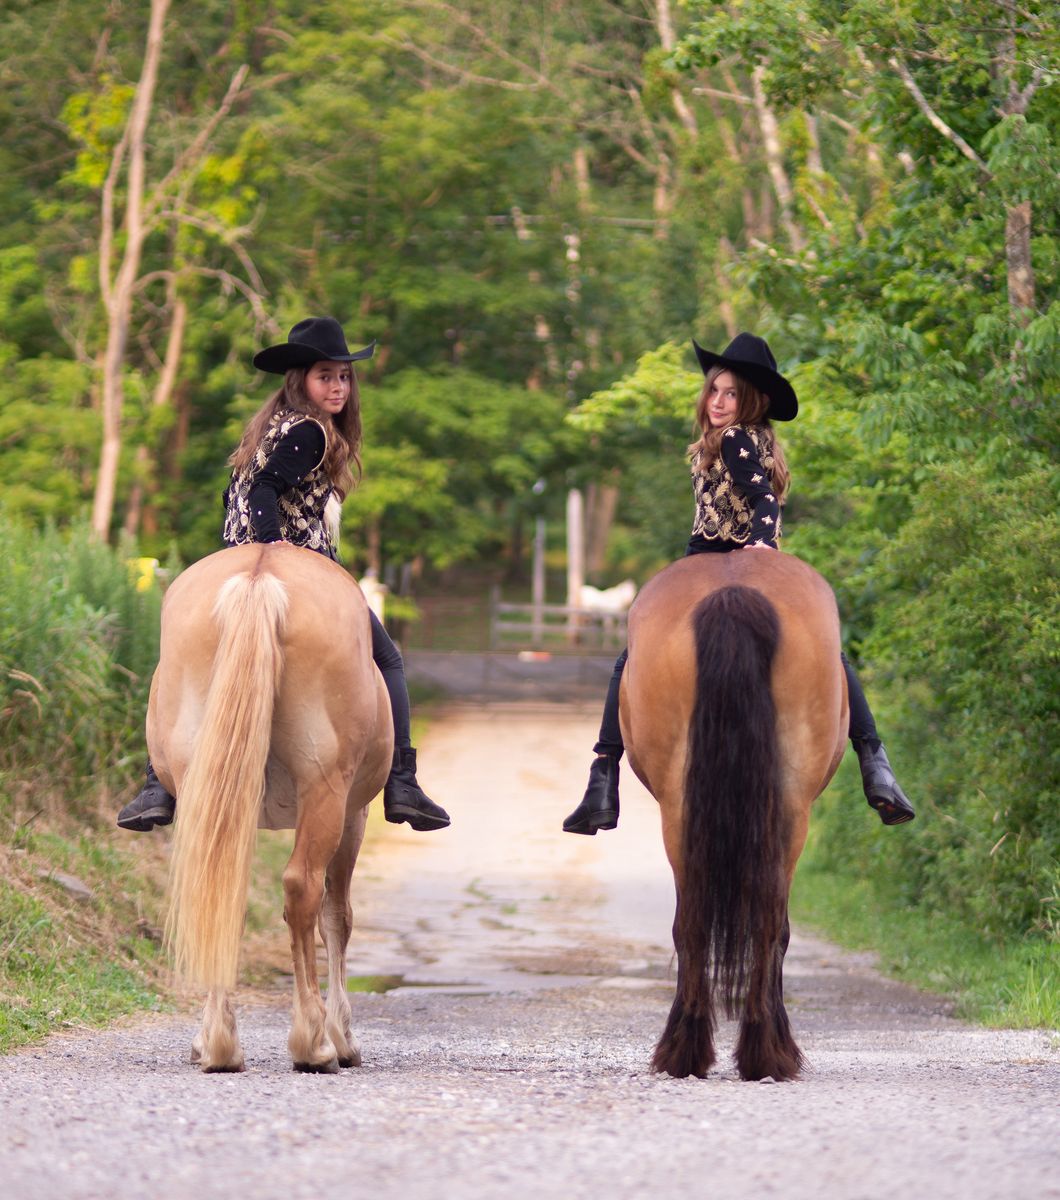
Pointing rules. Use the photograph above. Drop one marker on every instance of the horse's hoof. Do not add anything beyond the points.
(331, 1067)
(351, 1060)
(225, 1068)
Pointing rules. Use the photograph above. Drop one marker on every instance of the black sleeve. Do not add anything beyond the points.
(751, 480)
(297, 453)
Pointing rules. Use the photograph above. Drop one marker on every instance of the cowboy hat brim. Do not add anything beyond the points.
(783, 403)
(277, 360)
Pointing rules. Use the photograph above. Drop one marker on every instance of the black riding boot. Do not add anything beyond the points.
(405, 800)
(153, 806)
(881, 787)
(599, 806)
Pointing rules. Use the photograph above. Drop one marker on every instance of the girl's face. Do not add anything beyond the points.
(721, 401)
(327, 386)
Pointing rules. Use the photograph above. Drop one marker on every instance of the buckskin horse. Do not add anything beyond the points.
(734, 714)
(266, 708)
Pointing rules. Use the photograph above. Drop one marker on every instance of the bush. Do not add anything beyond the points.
(961, 669)
(78, 643)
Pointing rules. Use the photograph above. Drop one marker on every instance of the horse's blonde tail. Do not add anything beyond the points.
(222, 790)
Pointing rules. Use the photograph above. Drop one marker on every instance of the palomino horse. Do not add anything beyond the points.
(734, 715)
(267, 708)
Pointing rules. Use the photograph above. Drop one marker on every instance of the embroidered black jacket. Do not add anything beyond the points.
(734, 497)
(282, 492)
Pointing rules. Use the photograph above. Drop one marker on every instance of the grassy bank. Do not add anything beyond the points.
(79, 940)
(1000, 980)
(1015, 986)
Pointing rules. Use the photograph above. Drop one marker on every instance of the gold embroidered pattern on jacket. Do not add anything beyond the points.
(300, 509)
(721, 512)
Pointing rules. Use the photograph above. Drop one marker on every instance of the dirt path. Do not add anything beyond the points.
(511, 1061)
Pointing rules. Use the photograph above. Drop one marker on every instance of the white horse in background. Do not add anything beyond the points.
(611, 601)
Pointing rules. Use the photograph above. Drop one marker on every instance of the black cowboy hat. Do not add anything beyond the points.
(750, 358)
(316, 339)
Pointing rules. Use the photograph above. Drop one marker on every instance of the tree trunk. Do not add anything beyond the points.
(813, 153)
(581, 176)
(725, 310)
(732, 149)
(664, 25)
(118, 293)
(575, 558)
(163, 394)
(602, 503)
(1021, 284)
(374, 548)
(767, 124)
(662, 198)
(1018, 258)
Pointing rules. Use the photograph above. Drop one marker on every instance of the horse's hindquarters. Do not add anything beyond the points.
(266, 689)
(733, 713)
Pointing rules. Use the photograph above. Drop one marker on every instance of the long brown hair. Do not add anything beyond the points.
(751, 408)
(342, 460)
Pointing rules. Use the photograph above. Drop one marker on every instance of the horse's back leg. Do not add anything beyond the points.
(319, 832)
(766, 1047)
(687, 1043)
(336, 925)
(216, 1046)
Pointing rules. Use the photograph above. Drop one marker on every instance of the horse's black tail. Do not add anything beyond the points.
(731, 915)
(732, 907)
(734, 897)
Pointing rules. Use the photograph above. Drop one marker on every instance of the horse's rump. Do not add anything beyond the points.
(330, 701)
(659, 685)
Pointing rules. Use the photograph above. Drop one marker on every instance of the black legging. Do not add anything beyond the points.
(388, 659)
(862, 726)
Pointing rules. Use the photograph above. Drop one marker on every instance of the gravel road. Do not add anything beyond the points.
(533, 973)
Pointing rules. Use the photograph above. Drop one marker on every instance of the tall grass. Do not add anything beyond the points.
(78, 643)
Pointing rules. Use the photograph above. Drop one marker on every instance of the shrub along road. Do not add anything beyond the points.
(529, 973)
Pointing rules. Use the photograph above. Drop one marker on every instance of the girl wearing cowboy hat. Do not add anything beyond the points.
(294, 465)
(740, 480)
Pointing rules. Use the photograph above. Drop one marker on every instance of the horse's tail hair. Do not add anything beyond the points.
(732, 905)
(222, 790)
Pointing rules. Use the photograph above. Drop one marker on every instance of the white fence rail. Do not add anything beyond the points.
(557, 627)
